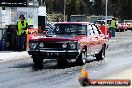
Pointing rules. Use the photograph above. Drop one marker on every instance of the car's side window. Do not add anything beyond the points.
(82, 30)
(90, 30)
(96, 30)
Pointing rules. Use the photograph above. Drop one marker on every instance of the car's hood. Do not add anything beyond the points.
(54, 38)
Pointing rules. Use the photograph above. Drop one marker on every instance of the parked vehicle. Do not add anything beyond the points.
(130, 26)
(122, 27)
(70, 40)
(103, 21)
(129, 22)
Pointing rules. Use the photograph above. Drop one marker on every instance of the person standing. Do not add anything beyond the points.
(21, 32)
(103, 28)
(113, 26)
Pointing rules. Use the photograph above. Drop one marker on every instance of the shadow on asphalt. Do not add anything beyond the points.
(53, 65)
(49, 64)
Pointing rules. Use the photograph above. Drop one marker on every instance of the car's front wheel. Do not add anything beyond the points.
(101, 54)
(81, 60)
(37, 60)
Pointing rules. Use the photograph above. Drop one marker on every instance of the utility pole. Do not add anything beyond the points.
(106, 11)
(64, 10)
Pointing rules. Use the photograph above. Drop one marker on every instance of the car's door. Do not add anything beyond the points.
(93, 40)
(99, 39)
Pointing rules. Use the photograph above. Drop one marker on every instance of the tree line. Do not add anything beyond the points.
(118, 8)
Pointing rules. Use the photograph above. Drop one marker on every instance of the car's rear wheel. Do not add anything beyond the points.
(81, 60)
(122, 30)
(37, 60)
(101, 54)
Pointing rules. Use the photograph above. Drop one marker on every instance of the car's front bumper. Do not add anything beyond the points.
(55, 54)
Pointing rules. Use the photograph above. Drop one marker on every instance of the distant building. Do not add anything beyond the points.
(95, 18)
(78, 18)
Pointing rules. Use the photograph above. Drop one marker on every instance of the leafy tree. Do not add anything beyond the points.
(58, 6)
(75, 7)
(98, 7)
(89, 7)
(121, 8)
(118, 8)
(49, 6)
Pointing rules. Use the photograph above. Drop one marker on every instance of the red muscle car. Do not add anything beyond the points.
(69, 40)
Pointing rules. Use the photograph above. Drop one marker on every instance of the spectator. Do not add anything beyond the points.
(113, 26)
(21, 32)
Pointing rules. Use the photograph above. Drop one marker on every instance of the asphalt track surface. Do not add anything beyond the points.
(22, 73)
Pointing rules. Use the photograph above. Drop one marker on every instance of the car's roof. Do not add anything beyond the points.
(84, 23)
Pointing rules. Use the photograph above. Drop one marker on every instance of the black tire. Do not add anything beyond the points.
(37, 60)
(101, 54)
(117, 30)
(123, 30)
(81, 60)
(120, 30)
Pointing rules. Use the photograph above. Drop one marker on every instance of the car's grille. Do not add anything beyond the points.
(52, 45)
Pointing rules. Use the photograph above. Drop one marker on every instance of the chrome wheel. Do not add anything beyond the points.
(84, 57)
(81, 60)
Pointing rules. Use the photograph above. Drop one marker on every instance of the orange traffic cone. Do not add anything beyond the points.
(84, 73)
(84, 81)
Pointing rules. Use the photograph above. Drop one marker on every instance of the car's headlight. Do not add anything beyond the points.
(73, 45)
(41, 45)
(33, 45)
(64, 45)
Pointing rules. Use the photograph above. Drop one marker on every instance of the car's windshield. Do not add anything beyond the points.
(76, 29)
